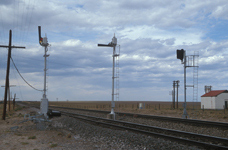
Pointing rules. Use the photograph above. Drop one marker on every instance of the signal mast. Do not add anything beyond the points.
(113, 44)
(44, 101)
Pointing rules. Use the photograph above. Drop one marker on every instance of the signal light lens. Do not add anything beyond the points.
(41, 39)
(180, 54)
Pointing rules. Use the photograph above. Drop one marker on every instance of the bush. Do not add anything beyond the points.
(24, 143)
(32, 137)
(53, 145)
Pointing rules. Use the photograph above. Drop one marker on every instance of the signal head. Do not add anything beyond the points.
(180, 54)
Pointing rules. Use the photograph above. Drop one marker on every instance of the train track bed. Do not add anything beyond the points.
(204, 141)
(220, 134)
(94, 136)
(175, 125)
(112, 138)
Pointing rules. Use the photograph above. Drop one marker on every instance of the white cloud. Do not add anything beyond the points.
(186, 37)
(149, 33)
(220, 11)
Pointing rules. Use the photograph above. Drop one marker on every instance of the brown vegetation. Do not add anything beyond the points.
(150, 107)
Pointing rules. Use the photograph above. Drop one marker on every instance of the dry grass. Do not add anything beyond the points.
(32, 137)
(11, 112)
(150, 107)
(53, 145)
(24, 143)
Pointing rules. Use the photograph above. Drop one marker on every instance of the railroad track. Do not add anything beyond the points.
(205, 141)
(194, 122)
(163, 118)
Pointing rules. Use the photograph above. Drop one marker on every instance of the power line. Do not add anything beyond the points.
(23, 77)
(18, 84)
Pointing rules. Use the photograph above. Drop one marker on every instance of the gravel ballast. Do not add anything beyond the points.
(107, 138)
(211, 131)
(81, 135)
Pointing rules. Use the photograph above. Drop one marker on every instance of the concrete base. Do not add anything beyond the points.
(111, 116)
(185, 114)
(44, 106)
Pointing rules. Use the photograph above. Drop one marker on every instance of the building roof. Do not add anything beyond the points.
(214, 93)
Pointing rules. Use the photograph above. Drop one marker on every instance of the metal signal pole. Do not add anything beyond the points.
(181, 54)
(44, 101)
(185, 114)
(7, 71)
(112, 44)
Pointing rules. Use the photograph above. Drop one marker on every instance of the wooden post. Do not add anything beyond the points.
(7, 72)
(174, 84)
(14, 102)
(7, 76)
(9, 98)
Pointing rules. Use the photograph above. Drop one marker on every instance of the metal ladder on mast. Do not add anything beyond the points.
(117, 75)
(192, 61)
(195, 75)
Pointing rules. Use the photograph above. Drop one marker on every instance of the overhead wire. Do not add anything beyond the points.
(25, 23)
(18, 84)
(21, 24)
(2, 33)
(22, 15)
(23, 77)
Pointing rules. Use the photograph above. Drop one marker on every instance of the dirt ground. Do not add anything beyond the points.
(26, 136)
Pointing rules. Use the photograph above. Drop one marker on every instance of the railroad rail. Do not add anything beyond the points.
(205, 141)
(163, 118)
(195, 122)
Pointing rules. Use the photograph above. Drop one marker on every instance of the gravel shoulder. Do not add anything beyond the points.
(68, 133)
(212, 131)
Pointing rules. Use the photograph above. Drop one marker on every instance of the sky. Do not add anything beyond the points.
(148, 34)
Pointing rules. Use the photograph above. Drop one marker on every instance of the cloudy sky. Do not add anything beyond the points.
(148, 32)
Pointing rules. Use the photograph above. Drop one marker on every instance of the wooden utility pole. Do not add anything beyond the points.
(7, 72)
(9, 97)
(14, 101)
(177, 91)
(174, 85)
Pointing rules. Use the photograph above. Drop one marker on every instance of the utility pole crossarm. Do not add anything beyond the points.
(4, 46)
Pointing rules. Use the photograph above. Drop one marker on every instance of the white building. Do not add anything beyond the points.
(217, 99)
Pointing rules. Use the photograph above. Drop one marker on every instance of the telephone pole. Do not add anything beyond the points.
(9, 97)
(14, 101)
(174, 85)
(177, 91)
(7, 71)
